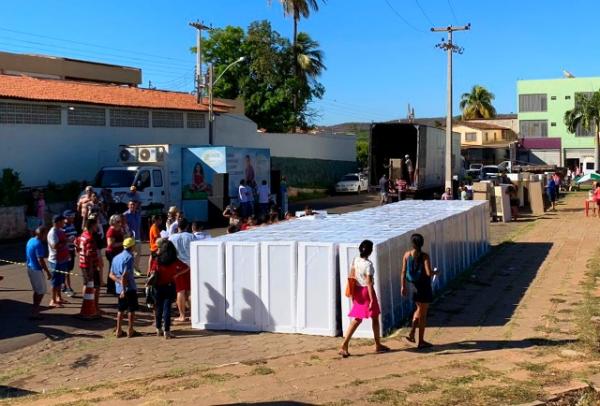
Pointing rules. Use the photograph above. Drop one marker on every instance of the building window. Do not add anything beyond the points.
(533, 102)
(21, 113)
(567, 97)
(470, 137)
(552, 124)
(196, 120)
(167, 119)
(157, 177)
(86, 116)
(129, 118)
(533, 128)
(552, 97)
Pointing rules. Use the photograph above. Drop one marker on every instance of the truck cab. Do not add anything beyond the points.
(149, 181)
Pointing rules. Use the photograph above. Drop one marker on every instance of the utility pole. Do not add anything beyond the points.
(450, 48)
(199, 78)
(211, 83)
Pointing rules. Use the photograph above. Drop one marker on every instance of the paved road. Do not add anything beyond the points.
(15, 291)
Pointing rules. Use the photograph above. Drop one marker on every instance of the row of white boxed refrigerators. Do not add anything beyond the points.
(290, 278)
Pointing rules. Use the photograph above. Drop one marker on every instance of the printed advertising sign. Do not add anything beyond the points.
(252, 165)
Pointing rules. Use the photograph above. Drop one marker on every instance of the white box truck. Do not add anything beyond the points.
(185, 176)
(426, 147)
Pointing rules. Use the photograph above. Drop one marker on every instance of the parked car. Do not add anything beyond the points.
(490, 172)
(352, 182)
(475, 167)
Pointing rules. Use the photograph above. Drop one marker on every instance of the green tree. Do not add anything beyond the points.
(586, 114)
(362, 153)
(477, 104)
(266, 80)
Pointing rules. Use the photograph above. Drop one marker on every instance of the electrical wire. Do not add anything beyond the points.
(403, 19)
(91, 45)
(95, 54)
(424, 13)
(452, 11)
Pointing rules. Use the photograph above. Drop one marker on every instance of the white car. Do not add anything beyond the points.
(352, 182)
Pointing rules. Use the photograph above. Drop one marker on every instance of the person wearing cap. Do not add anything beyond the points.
(37, 270)
(58, 248)
(83, 204)
(121, 271)
(71, 233)
(133, 219)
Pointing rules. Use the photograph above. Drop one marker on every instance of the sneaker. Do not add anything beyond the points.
(69, 292)
(137, 273)
(168, 335)
(159, 332)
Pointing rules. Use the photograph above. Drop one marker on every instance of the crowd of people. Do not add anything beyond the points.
(106, 243)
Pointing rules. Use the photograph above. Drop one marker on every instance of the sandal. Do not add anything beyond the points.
(424, 344)
(344, 353)
(410, 339)
(119, 334)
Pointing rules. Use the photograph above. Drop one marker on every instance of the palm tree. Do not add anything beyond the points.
(477, 104)
(297, 9)
(309, 58)
(586, 114)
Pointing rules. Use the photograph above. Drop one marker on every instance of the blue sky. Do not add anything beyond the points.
(377, 63)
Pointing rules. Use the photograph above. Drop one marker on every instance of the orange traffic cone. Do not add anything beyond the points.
(88, 306)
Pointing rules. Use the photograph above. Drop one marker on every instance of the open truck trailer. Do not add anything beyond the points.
(426, 147)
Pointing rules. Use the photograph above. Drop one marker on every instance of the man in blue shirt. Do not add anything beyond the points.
(121, 271)
(37, 270)
(133, 217)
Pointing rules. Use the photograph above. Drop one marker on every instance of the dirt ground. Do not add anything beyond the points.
(518, 327)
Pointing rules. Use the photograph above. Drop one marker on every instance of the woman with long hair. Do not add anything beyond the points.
(364, 299)
(167, 268)
(416, 269)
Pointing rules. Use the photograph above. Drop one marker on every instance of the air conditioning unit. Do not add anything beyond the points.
(147, 154)
(128, 154)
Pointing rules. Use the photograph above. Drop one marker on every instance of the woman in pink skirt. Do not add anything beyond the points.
(364, 299)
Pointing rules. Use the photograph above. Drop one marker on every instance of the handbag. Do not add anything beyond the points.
(350, 283)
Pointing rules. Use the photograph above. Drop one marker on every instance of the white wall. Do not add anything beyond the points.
(309, 146)
(61, 153)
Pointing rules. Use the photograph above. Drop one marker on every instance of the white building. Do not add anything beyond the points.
(63, 130)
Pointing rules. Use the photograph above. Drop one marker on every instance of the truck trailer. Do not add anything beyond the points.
(389, 143)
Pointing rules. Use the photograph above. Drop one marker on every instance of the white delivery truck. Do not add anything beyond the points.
(189, 177)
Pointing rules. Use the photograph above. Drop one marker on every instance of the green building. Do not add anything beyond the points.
(542, 105)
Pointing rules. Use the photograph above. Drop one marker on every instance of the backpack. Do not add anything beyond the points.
(413, 273)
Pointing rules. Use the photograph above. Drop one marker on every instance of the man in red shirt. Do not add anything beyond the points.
(88, 258)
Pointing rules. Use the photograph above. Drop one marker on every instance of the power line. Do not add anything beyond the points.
(424, 13)
(101, 54)
(92, 45)
(452, 11)
(402, 18)
(18, 48)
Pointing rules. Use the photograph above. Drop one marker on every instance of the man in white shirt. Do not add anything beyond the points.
(263, 198)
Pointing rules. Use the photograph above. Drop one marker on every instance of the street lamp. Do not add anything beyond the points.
(211, 84)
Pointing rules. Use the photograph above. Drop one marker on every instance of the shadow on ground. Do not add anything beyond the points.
(490, 294)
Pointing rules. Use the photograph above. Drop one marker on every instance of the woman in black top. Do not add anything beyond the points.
(416, 268)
